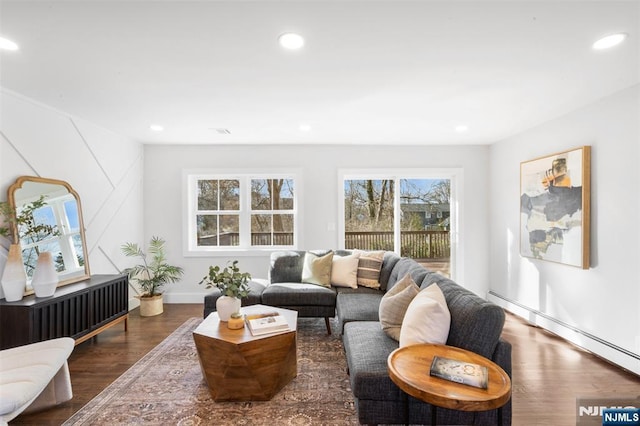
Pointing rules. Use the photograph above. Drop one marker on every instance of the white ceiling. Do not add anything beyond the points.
(372, 72)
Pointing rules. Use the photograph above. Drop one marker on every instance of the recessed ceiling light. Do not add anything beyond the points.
(609, 41)
(291, 41)
(462, 128)
(304, 127)
(156, 128)
(6, 44)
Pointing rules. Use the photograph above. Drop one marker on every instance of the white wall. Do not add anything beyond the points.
(319, 165)
(584, 306)
(104, 168)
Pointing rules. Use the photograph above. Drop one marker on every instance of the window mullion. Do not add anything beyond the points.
(192, 208)
(245, 212)
(397, 213)
(63, 238)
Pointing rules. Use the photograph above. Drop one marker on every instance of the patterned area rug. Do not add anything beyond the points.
(166, 387)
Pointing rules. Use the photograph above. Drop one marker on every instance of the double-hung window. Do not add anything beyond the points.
(240, 211)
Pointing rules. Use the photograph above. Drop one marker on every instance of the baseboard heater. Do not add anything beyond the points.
(615, 354)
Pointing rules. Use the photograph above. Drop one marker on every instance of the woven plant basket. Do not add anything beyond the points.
(151, 306)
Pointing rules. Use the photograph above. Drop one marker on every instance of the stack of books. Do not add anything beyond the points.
(266, 323)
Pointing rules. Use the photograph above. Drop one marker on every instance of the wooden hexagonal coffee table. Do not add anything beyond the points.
(238, 366)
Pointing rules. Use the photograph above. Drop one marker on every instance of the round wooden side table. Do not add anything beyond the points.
(409, 370)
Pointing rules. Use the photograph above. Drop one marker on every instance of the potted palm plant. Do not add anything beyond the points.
(233, 286)
(151, 275)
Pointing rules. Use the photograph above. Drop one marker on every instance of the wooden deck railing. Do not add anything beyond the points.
(415, 244)
(257, 239)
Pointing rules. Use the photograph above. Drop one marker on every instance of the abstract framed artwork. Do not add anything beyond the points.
(554, 207)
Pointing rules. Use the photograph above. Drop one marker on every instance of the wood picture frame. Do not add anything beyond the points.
(555, 207)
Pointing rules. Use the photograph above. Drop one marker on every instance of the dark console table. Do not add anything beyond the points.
(80, 310)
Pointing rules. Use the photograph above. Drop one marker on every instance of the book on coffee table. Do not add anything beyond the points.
(460, 372)
(266, 323)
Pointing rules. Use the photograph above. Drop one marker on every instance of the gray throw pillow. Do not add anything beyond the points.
(286, 266)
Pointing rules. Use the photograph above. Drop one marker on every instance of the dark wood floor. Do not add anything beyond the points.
(548, 373)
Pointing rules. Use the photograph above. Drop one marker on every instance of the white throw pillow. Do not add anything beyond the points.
(344, 271)
(394, 304)
(427, 319)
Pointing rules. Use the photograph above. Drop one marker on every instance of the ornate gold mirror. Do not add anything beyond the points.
(51, 220)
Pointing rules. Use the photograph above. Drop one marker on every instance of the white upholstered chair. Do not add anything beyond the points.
(34, 377)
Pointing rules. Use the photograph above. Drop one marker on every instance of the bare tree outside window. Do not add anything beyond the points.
(368, 205)
(269, 224)
(216, 196)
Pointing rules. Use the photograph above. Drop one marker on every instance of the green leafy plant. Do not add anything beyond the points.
(31, 231)
(151, 275)
(8, 215)
(229, 280)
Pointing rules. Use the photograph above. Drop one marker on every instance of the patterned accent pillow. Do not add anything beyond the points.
(369, 268)
(344, 271)
(427, 319)
(394, 304)
(317, 269)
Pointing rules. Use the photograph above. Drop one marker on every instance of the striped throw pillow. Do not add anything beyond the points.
(369, 267)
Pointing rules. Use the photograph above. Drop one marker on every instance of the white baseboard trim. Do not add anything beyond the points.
(622, 357)
(133, 303)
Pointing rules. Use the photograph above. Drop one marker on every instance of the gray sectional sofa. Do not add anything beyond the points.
(284, 289)
(476, 325)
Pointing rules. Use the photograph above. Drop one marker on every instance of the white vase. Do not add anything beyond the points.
(227, 305)
(14, 279)
(45, 277)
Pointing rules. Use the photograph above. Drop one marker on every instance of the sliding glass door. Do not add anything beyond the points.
(410, 214)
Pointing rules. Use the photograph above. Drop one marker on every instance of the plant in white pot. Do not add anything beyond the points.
(151, 275)
(233, 286)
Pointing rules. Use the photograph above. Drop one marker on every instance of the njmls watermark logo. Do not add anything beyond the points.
(608, 411)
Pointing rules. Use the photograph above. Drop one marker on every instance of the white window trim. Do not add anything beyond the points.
(455, 175)
(191, 250)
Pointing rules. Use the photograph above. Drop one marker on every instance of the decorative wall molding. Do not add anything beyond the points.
(15, 150)
(92, 153)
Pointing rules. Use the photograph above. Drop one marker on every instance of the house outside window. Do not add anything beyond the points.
(240, 211)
